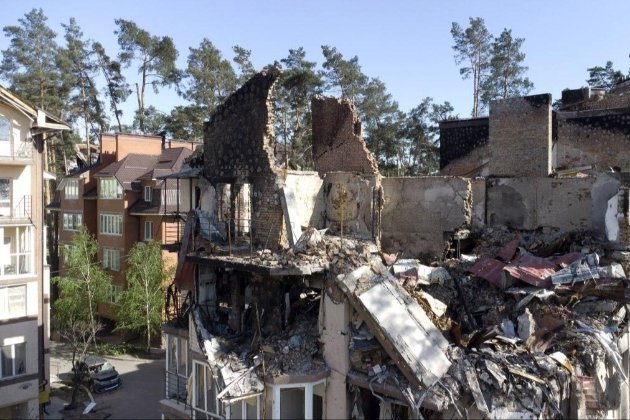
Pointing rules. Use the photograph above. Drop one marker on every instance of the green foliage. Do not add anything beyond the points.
(420, 132)
(150, 121)
(142, 303)
(242, 60)
(604, 77)
(343, 75)
(79, 70)
(82, 286)
(185, 122)
(210, 78)
(116, 87)
(298, 83)
(29, 63)
(507, 72)
(156, 57)
(472, 49)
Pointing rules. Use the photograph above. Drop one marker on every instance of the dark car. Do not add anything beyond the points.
(100, 374)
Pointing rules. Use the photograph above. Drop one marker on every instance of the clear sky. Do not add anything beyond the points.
(407, 44)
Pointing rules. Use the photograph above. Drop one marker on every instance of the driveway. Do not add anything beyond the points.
(137, 398)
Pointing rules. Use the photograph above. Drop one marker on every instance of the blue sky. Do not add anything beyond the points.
(407, 44)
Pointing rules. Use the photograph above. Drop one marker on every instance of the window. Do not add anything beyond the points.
(111, 259)
(205, 393)
(244, 409)
(114, 294)
(16, 256)
(72, 221)
(172, 196)
(148, 230)
(176, 368)
(299, 401)
(5, 192)
(147, 194)
(111, 224)
(5, 129)
(12, 301)
(110, 188)
(12, 360)
(72, 189)
(66, 251)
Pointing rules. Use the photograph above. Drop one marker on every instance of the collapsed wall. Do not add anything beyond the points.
(337, 141)
(239, 149)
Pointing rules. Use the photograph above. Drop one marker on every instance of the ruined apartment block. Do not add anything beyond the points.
(339, 293)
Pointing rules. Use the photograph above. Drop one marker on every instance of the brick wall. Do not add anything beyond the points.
(239, 148)
(337, 142)
(520, 136)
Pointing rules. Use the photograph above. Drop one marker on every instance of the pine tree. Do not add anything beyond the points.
(79, 70)
(472, 47)
(342, 75)
(506, 77)
(298, 83)
(604, 77)
(242, 58)
(116, 87)
(156, 57)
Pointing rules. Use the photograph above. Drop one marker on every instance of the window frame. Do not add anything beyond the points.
(207, 373)
(7, 203)
(107, 221)
(114, 294)
(109, 261)
(73, 222)
(148, 230)
(9, 132)
(308, 398)
(109, 189)
(148, 193)
(71, 189)
(14, 372)
(5, 302)
(243, 402)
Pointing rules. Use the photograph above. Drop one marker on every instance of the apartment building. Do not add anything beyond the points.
(121, 201)
(24, 275)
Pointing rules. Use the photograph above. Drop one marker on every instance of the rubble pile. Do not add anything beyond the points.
(532, 332)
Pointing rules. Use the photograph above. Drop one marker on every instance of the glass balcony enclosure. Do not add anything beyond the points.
(16, 251)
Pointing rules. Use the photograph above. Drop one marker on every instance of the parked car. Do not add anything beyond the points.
(100, 374)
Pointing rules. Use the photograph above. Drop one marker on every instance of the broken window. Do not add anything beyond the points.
(234, 209)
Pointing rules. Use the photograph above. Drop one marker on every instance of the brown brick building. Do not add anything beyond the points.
(121, 201)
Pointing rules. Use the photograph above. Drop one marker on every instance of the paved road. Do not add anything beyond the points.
(143, 385)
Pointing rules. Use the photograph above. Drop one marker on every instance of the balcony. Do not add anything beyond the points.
(17, 152)
(16, 251)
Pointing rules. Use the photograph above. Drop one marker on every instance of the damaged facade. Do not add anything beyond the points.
(341, 294)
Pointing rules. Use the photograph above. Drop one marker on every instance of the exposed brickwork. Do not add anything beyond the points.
(239, 148)
(337, 142)
(520, 136)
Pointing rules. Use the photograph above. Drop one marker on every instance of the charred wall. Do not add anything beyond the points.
(458, 140)
(597, 138)
(239, 148)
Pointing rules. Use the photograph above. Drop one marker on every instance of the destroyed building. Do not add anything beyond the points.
(338, 293)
